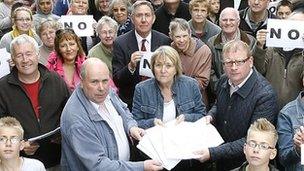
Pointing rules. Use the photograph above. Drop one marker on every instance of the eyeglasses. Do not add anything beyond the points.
(13, 140)
(23, 19)
(262, 146)
(65, 30)
(236, 62)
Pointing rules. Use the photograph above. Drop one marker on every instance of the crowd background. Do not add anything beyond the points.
(218, 67)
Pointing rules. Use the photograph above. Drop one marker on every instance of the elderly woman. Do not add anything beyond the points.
(67, 58)
(47, 31)
(121, 10)
(102, 8)
(22, 24)
(194, 54)
(107, 30)
(168, 95)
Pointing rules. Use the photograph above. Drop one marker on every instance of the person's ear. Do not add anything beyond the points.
(22, 145)
(244, 148)
(273, 154)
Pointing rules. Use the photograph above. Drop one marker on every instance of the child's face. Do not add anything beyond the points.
(263, 151)
(45, 6)
(10, 143)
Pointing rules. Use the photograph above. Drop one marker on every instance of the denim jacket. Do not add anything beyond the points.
(291, 117)
(88, 142)
(148, 102)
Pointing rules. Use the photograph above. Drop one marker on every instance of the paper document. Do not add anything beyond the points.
(4, 65)
(46, 135)
(173, 143)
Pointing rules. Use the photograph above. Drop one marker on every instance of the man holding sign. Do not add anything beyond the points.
(282, 67)
(128, 49)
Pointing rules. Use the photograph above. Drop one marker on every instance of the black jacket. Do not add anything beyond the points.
(53, 94)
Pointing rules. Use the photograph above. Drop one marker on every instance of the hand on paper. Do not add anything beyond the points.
(261, 37)
(204, 155)
(180, 119)
(137, 133)
(298, 138)
(152, 165)
(30, 147)
(158, 122)
(207, 119)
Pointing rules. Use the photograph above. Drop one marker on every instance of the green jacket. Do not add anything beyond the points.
(285, 77)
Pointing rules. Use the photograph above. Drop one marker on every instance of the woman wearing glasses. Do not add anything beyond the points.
(22, 24)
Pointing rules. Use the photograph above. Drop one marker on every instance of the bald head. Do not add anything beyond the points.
(230, 10)
(95, 78)
(92, 63)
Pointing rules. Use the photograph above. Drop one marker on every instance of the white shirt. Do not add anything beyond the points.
(234, 88)
(169, 111)
(236, 4)
(32, 165)
(110, 115)
(147, 43)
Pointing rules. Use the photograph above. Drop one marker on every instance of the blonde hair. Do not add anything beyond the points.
(21, 9)
(169, 52)
(263, 125)
(234, 46)
(11, 122)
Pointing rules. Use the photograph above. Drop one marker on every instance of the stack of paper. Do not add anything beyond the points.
(174, 142)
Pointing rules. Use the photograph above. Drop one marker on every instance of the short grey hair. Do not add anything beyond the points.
(139, 3)
(234, 46)
(106, 20)
(126, 3)
(22, 39)
(180, 23)
(230, 9)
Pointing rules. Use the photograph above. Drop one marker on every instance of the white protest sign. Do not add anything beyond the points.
(4, 65)
(272, 6)
(285, 33)
(81, 24)
(144, 65)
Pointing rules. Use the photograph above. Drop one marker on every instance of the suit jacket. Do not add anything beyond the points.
(124, 46)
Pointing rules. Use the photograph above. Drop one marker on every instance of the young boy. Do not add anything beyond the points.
(11, 143)
(260, 147)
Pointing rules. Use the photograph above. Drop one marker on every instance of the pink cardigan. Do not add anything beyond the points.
(56, 64)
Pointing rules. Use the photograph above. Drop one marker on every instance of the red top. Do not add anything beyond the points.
(32, 91)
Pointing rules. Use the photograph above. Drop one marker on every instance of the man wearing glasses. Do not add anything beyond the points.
(243, 96)
(229, 22)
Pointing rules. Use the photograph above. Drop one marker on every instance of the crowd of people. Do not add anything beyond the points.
(209, 61)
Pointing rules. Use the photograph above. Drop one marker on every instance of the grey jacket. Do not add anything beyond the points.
(88, 142)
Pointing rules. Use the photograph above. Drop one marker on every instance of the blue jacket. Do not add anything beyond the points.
(88, 142)
(233, 116)
(290, 119)
(148, 103)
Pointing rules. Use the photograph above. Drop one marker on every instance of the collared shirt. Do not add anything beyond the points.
(236, 4)
(234, 88)
(107, 111)
(147, 43)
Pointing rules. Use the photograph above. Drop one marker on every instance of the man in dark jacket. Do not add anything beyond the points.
(36, 97)
(166, 13)
(244, 96)
(254, 17)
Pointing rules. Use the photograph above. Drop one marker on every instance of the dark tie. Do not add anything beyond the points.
(143, 47)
